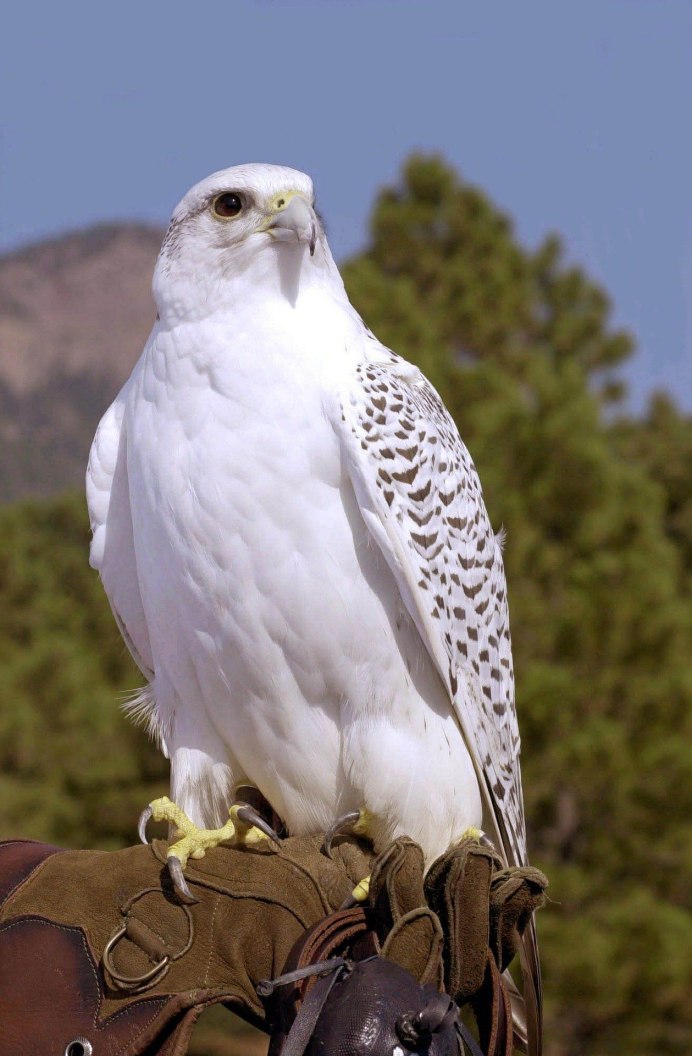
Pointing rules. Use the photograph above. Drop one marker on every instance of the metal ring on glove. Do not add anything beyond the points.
(132, 982)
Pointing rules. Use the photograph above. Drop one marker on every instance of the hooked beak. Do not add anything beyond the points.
(296, 221)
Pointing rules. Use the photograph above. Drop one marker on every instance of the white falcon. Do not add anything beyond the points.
(293, 539)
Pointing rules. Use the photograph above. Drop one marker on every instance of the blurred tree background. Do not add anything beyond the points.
(598, 511)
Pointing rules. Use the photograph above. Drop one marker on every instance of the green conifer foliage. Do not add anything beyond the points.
(663, 443)
(72, 768)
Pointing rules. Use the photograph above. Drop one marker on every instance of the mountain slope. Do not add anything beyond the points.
(74, 315)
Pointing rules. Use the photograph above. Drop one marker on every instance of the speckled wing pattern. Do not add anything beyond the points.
(421, 498)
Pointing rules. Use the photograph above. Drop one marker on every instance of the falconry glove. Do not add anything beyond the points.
(98, 955)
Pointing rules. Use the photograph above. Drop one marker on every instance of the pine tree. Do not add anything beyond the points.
(73, 769)
(663, 443)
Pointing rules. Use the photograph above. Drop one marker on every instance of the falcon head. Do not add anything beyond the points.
(223, 222)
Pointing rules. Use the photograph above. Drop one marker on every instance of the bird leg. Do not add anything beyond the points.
(245, 826)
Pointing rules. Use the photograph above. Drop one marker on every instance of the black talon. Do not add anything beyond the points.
(142, 825)
(175, 871)
(249, 816)
(342, 825)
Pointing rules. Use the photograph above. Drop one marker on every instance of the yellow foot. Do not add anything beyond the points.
(244, 826)
(361, 891)
(360, 826)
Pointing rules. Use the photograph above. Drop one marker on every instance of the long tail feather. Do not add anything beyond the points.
(533, 990)
(519, 1028)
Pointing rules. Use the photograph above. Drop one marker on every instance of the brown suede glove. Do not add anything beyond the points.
(96, 948)
(480, 905)
(515, 894)
(408, 930)
(94, 945)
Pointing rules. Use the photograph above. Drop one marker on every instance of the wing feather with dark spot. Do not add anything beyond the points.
(421, 497)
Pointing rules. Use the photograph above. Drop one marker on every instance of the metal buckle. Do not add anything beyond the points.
(133, 982)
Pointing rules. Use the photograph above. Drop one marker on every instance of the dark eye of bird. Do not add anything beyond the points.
(227, 204)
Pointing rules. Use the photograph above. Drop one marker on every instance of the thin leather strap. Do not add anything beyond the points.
(305, 1022)
(467, 1039)
(268, 986)
(493, 1012)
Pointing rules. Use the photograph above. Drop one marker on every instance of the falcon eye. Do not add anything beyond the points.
(227, 205)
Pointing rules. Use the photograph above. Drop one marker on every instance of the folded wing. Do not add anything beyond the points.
(421, 498)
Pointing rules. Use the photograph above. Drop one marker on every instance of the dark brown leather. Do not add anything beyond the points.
(515, 895)
(67, 993)
(334, 936)
(18, 859)
(493, 1011)
(341, 933)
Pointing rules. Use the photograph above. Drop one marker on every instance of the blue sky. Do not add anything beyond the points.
(573, 116)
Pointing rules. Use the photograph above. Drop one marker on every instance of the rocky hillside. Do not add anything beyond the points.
(74, 315)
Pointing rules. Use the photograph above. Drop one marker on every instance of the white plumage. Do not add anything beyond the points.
(293, 539)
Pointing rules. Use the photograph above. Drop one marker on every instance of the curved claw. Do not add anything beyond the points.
(143, 822)
(250, 817)
(175, 871)
(342, 824)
